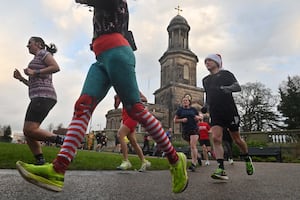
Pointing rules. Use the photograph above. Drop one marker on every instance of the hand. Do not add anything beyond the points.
(17, 74)
(183, 120)
(29, 72)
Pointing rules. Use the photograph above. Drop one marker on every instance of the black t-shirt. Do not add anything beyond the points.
(190, 114)
(220, 103)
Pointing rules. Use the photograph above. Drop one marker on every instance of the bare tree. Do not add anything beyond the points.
(257, 107)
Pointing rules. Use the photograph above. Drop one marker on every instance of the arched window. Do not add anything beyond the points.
(186, 72)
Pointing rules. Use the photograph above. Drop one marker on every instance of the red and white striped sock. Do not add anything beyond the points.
(153, 126)
(75, 134)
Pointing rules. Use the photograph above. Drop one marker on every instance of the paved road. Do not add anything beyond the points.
(271, 181)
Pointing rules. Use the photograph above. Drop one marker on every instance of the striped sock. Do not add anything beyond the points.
(153, 126)
(74, 136)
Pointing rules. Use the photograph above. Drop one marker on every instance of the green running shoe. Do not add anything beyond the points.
(43, 176)
(179, 174)
(220, 174)
(249, 166)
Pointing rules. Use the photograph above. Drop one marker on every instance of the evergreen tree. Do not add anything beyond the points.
(7, 134)
(289, 104)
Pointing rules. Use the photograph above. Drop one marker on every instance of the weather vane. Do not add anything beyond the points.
(178, 9)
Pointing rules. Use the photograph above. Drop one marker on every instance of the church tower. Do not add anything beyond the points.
(178, 71)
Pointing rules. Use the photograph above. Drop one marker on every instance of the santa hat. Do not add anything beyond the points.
(215, 57)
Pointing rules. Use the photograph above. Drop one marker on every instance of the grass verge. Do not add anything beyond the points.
(84, 160)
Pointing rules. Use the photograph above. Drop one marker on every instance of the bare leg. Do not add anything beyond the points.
(236, 137)
(122, 133)
(136, 146)
(204, 149)
(194, 150)
(34, 134)
(217, 133)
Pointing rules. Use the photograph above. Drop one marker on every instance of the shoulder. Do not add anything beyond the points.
(225, 72)
(206, 77)
(42, 54)
(179, 109)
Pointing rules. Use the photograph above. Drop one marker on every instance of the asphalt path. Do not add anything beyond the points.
(271, 181)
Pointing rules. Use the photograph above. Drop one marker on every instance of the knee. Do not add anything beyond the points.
(238, 140)
(217, 139)
(134, 110)
(84, 104)
(28, 130)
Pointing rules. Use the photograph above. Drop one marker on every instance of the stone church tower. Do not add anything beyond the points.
(178, 78)
(178, 71)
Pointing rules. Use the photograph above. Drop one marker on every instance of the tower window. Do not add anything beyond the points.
(186, 72)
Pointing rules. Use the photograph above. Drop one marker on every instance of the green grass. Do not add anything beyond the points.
(84, 160)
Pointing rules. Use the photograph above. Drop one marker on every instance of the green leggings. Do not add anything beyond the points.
(114, 68)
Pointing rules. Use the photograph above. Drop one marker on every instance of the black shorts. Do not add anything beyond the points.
(38, 109)
(232, 122)
(186, 135)
(204, 142)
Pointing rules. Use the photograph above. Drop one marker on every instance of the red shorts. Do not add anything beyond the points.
(128, 122)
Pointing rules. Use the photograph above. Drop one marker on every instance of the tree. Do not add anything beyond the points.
(7, 134)
(256, 107)
(289, 104)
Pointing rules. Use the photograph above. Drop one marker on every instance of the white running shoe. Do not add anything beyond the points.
(230, 160)
(209, 154)
(124, 165)
(145, 164)
(207, 163)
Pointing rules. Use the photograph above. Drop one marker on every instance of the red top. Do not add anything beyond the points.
(108, 41)
(203, 130)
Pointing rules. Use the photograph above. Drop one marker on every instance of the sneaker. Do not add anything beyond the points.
(230, 160)
(199, 161)
(43, 176)
(146, 164)
(220, 174)
(59, 140)
(207, 163)
(192, 168)
(249, 166)
(179, 174)
(124, 165)
(209, 154)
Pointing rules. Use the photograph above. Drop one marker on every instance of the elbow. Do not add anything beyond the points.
(56, 70)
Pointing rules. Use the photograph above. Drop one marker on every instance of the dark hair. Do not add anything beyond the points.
(51, 48)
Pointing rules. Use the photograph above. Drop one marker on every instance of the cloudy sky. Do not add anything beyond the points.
(258, 39)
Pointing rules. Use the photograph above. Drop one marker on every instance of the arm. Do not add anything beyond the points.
(235, 87)
(178, 120)
(18, 76)
(100, 3)
(52, 67)
(117, 101)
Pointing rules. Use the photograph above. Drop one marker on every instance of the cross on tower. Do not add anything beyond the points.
(178, 9)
